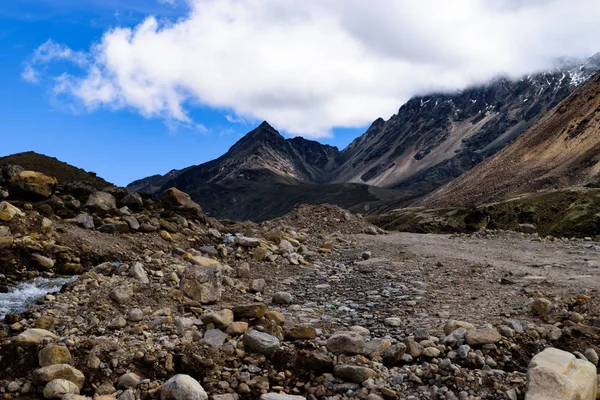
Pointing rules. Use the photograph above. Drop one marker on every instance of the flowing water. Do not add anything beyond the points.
(25, 293)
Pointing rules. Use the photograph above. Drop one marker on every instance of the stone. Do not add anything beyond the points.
(592, 356)
(132, 200)
(6, 238)
(283, 298)
(135, 315)
(182, 387)
(34, 336)
(8, 211)
(318, 362)
(346, 342)
(286, 246)
(480, 337)
(59, 371)
(301, 332)
(32, 185)
(392, 322)
(353, 373)
(250, 310)
(260, 342)
(237, 328)
(413, 348)
(258, 285)
(202, 284)
(276, 317)
(101, 202)
(214, 338)
(105, 389)
(220, 319)
(115, 227)
(129, 380)
(45, 322)
(54, 354)
(247, 241)
(42, 261)
(431, 352)
(557, 374)
(541, 306)
(166, 235)
(453, 325)
(243, 271)
(86, 221)
(121, 294)
(202, 261)
(456, 338)
(168, 226)
(132, 222)
(175, 198)
(393, 354)
(137, 272)
(57, 388)
(279, 396)
(259, 253)
(527, 228)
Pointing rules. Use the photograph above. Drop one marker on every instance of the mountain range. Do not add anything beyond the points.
(429, 142)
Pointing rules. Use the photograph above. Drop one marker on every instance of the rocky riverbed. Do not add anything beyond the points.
(166, 303)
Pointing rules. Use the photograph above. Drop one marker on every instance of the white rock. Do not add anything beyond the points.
(556, 374)
(182, 387)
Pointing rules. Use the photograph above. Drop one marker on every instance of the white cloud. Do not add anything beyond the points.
(308, 66)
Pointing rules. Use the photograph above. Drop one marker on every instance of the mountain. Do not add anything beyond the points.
(264, 176)
(435, 138)
(429, 142)
(561, 150)
(51, 166)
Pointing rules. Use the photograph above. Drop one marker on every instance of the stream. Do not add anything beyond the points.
(25, 293)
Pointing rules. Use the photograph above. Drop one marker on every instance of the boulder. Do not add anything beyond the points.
(202, 284)
(480, 337)
(137, 271)
(34, 336)
(556, 374)
(42, 261)
(181, 201)
(283, 298)
(132, 200)
(250, 310)
(301, 332)
(182, 387)
(346, 342)
(221, 319)
(115, 227)
(59, 371)
(57, 388)
(353, 373)
(121, 294)
(129, 380)
(6, 238)
(8, 211)
(101, 202)
(261, 342)
(32, 185)
(54, 354)
(86, 221)
(453, 325)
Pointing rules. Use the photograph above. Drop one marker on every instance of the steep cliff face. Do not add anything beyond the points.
(433, 139)
(562, 149)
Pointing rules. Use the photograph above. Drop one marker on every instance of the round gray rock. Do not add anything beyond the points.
(182, 387)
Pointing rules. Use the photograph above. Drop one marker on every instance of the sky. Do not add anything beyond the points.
(132, 88)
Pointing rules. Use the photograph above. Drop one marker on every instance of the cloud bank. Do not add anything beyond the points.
(309, 66)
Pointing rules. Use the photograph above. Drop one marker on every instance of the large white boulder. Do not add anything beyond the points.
(559, 375)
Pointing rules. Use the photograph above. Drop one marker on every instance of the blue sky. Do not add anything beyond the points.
(119, 145)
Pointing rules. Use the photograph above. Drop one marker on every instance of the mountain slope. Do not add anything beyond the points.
(562, 149)
(433, 139)
(51, 166)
